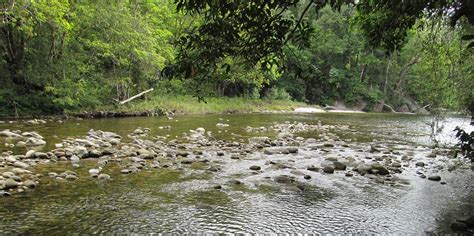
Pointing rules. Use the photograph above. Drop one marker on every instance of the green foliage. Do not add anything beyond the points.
(466, 143)
(62, 55)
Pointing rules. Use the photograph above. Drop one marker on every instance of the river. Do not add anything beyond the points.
(185, 197)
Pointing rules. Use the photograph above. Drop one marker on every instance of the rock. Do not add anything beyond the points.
(200, 130)
(313, 168)
(469, 221)
(379, 169)
(30, 154)
(349, 174)
(10, 183)
(235, 156)
(52, 174)
(95, 172)
(420, 164)
(328, 169)
(5, 194)
(71, 177)
(10, 159)
(29, 184)
(292, 150)
(182, 153)
(188, 161)
(255, 168)
(35, 142)
(8, 174)
(235, 182)
(21, 144)
(20, 171)
(432, 155)
(74, 158)
(40, 155)
(283, 179)
(9, 134)
(307, 176)
(403, 108)
(95, 153)
(103, 177)
(328, 145)
(125, 171)
(220, 153)
(339, 166)
(20, 164)
(333, 159)
(458, 226)
(213, 168)
(434, 178)
(396, 164)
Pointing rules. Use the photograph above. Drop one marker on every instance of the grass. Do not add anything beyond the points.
(190, 105)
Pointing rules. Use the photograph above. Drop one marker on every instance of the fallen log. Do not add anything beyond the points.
(136, 96)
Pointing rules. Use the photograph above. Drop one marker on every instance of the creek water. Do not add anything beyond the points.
(182, 199)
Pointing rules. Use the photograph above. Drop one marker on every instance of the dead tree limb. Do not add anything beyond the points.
(136, 96)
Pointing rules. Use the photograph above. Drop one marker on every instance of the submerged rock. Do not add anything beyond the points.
(103, 177)
(328, 169)
(434, 178)
(255, 168)
(10, 183)
(29, 184)
(284, 179)
(339, 166)
(379, 169)
(458, 226)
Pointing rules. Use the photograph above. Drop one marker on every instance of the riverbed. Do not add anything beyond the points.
(250, 173)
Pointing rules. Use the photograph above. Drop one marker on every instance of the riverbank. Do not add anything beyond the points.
(188, 105)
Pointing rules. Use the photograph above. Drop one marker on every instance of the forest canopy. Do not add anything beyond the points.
(62, 55)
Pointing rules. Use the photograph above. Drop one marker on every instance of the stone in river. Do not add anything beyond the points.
(282, 179)
(339, 166)
(29, 184)
(420, 164)
(255, 168)
(434, 178)
(328, 169)
(10, 183)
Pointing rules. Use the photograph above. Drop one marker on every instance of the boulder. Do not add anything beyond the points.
(284, 179)
(379, 169)
(21, 165)
(328, 169)
(339, 166)
(29, 184)
(255, 168)
(434, 178)
(10, 183)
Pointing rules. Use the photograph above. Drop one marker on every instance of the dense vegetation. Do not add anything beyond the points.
(62, 55)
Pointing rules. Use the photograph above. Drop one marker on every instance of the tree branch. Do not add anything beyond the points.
(290, 35)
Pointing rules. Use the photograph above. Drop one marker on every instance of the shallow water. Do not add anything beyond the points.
(182, 199)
